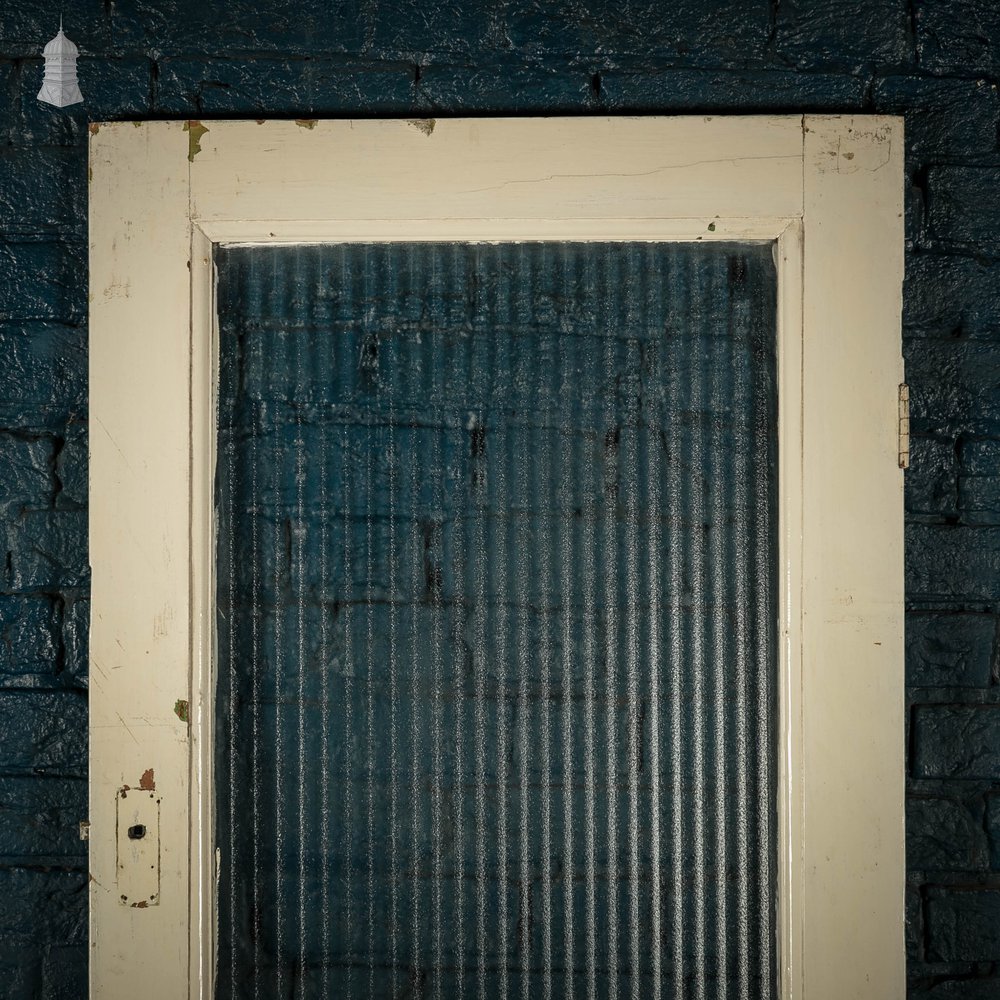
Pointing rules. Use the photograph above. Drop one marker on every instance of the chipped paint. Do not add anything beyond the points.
(148, 781)
(425, 125)
(94, 127)
(182, 710)
(309, 123)
(141, 905)
(195, 131)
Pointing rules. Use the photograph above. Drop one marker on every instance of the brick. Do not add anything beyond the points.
(960, 989)
(979, 481)
(39, 908)
(20, 971)
(979, 500)
(931, 480)
(47, 550)
(8, 90)
(240, 28)
(914, 929)
(688, 33)
(849, 34)
(43, 732)
(27, 26)
(945, 563)
(45, 375)
(943, 117)
(949, 650)
(979, 457)
(40, 818)
(64, 972)
(276, 88)
(113, 89)
(959, 36)
(42, 191)
(992, 824)
(962, 210)
(29, 473)
(915, 216)
(954, 387)
(545, 86)
(943, 834)
(748, 91)
(43, 281)
(72, 469)
(963, 925)
(75, 638)
(29, 637)
(950, 296)
(956, 741)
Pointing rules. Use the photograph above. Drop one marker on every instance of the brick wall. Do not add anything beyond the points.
(935, 61)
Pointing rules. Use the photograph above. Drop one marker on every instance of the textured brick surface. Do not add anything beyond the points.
(956, 741)
(949, 650)
(931, 481)
(935, 61)
(950, 296)
(848, 34)
(956, 563)
(44, 380)
(959, 36)
(29, 637)
(39, 819)
(43, 733)
(958, 215)
(963, 925)
(945, 118)
(944, 834)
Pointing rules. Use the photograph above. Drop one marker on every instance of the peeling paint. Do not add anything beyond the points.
(195, 131)
(425, 125)
(182, 710)
(148, 781)
(309, 123)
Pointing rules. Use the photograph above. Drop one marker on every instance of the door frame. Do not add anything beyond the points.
(826, 189)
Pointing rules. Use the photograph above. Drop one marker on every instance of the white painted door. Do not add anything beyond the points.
(825, 192)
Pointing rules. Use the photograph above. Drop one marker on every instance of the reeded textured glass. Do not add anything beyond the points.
(497, 621)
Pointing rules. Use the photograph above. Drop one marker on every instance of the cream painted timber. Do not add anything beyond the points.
(826, 190)
(140, 457)
(499, 168)
(852, 555)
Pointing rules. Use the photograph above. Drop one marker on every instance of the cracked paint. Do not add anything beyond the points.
(425, 125)
(195, 131)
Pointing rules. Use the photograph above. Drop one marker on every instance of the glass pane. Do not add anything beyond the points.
(497, 619)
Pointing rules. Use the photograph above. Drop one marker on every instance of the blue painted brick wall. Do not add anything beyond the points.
(935, 61)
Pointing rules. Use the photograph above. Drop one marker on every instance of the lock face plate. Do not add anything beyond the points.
(138, 833)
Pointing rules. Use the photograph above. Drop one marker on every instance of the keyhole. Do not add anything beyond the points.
(136, 832)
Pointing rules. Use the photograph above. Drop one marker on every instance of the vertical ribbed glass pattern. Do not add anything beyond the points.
(497, 621)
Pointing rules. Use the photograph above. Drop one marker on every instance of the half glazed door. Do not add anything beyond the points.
(505, 600)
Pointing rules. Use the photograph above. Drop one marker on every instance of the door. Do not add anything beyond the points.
(533, 622)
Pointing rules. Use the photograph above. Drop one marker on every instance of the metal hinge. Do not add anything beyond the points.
(904, 426)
